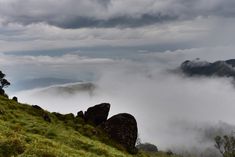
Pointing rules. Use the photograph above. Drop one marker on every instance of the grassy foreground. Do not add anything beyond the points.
(24, 132)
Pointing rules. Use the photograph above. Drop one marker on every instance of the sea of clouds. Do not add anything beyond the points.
(173, 111)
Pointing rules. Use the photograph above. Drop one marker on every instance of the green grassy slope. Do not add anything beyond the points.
(25, 133)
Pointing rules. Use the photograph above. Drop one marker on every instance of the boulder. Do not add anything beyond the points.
(37, 107)
(123, 129)
(15, 99)
(97, 114)
(80, 114)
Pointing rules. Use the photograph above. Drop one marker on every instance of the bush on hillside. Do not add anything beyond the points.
(11, 147)
(225, 145)
(3, 83)
(148, 147)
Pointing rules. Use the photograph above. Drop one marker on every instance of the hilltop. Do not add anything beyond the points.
(203, 68)
(27, 130)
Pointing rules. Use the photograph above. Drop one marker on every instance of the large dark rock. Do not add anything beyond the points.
(15, 99)
(80, 114)
(123, 129)
(97, 114)
(37, 107)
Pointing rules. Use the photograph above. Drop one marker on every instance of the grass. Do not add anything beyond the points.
(24, 132)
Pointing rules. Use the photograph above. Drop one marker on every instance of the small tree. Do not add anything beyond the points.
(225, 145)
(3, 83)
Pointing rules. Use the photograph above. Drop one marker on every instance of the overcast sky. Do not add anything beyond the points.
(126, 48)
(47, 24)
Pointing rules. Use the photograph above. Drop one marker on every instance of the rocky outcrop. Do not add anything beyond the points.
(80, 114)
(97, 114)
(37, 107)
(15, 99)
(123, 129)
(37, 110)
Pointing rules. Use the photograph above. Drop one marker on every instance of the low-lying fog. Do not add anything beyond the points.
(173, 111)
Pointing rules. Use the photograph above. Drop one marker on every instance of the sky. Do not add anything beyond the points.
(47, 24)
(128, 50)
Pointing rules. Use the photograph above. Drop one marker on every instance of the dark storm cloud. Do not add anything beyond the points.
(122, 21)
(110, 13)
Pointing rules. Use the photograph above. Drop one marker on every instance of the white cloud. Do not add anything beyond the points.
(211, 54)
(199, 32)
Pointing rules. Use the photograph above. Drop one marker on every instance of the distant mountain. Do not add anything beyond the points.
(71, 88)
(41, 82)
(204, 68)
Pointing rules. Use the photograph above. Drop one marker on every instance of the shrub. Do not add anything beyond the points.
(51, 133)
(225, 145)
(147, 147)
(11, 147)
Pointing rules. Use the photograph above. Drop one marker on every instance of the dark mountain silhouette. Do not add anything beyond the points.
(204, 68)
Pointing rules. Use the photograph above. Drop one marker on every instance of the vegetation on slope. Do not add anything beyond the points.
(25, 132)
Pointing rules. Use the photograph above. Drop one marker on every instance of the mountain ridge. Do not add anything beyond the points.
(203, 68)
